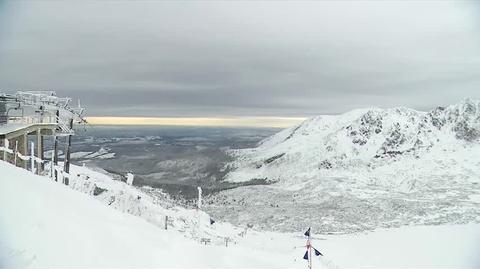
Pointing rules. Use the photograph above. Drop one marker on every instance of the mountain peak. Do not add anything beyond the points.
(371, 166)
(363, 137)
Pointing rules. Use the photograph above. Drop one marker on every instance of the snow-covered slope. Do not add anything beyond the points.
(363, 169)
(45, 224)
(153, 205)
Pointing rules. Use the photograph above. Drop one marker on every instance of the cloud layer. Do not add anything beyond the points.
(219, 59)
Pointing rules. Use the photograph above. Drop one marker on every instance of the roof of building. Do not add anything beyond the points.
(15, 129)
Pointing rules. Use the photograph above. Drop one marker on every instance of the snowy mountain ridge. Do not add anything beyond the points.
(364, 138)
(361, 170)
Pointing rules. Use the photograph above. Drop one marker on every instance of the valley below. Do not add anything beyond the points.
(354, 172)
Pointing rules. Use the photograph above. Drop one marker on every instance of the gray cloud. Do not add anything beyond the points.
(242, 58)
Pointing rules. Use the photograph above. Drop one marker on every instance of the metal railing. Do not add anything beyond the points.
(62, 126)
(34, 161)
(30, 119)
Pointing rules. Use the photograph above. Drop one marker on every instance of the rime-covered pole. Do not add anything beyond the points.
(199, 202)
(130, 177)
(32, 154)
(5, 145)
(39, 152)
(15, 153)
(55, 148)
(66, 167)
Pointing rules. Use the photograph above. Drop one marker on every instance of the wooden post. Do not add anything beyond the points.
(166, 222)
(20, 148)
(24, 150)
(6, 146)
(55, 156)
(15, 153)
(55, 149)
(39, 151)
(66, 167)
(3, 144)
(52, 166)
(32, 154)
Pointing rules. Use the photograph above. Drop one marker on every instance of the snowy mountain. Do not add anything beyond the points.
(367, 139)
(363, 169)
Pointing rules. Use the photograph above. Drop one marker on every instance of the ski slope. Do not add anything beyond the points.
(44, 224)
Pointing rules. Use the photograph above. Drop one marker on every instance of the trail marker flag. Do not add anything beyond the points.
(307, 233)
(317, 253)
(308, 254)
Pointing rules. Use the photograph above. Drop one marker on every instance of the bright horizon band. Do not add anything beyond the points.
(278, 122)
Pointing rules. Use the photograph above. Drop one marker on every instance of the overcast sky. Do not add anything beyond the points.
(221, 59)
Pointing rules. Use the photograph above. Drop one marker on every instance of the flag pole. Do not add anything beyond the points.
(310, 251)
(310, 257)
(308, 254)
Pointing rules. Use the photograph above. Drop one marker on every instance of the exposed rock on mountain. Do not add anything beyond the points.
(363, 169)
(364, 139)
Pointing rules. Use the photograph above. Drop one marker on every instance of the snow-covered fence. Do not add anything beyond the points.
(6, 151)
(205, 241)
(16, 154)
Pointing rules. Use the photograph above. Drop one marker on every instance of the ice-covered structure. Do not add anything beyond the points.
(31, 116)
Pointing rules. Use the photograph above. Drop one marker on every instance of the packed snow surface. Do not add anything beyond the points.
(361, 170)
(44, 224)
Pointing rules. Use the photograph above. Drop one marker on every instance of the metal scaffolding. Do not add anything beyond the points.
(41, 113)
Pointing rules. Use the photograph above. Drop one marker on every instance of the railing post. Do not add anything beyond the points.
(24, 150)
(52, 167)
(15, 153)
(6, 146)
(39, 151)
(32, 156)
(55, 147)
(66, 167)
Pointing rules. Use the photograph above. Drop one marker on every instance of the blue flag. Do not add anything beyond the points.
(307, 233)
(318, 253)
(305, 257)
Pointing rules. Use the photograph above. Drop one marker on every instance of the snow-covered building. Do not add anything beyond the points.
(33, 117)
